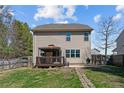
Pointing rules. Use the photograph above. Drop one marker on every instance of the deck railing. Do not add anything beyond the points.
(50, 61)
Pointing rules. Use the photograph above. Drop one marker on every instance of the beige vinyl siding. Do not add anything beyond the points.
(120, 44)
(44, 39)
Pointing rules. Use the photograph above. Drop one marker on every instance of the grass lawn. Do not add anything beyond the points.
(45, 78)
(106, 76)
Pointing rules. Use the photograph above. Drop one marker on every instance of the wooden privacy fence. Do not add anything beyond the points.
(117, 60)
(14, 63)
(97, 59)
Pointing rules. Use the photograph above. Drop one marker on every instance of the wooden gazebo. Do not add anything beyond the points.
(49, 56)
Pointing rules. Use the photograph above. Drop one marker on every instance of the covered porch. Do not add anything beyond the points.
(49, 56)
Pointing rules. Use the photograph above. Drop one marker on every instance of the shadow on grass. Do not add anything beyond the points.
(113, 70)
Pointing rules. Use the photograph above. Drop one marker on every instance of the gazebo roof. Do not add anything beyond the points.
(51, 46)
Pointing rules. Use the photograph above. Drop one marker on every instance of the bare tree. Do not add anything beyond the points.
(5, 30)
(108, 30)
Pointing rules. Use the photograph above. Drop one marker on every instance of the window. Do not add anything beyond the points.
(86, 36)
(67, 53)
(73, 53)
(68, 36)
(78, 53)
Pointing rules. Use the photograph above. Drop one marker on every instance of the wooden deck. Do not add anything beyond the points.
(50, 61)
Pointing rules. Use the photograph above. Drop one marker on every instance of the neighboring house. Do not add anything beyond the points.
(95, 51)
(72, 42)
(119, 44)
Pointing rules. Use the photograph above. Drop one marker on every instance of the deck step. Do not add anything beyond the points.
(76, 65)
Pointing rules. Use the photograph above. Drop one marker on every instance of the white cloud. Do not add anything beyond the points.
(64, 22)
(70, 11)
(97, 18)
(120, 8)
(117, 17)
(55, 12)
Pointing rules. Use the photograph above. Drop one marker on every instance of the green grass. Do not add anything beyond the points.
(36, 78)
(106, 76)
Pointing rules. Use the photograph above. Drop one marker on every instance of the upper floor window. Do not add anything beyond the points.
(68, 36)
(86, 36)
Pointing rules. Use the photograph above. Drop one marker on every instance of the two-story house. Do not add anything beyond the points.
(119, 44)
(55, 44)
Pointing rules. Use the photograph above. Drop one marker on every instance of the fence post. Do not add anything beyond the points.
(9, 65)
(3, 65)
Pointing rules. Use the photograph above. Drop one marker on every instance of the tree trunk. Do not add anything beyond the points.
(105, 55)
(106, 49)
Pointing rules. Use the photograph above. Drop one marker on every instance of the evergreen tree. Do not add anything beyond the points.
(15, 36)
(3, 42)
(23, 39)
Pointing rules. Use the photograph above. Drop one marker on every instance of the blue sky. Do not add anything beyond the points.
(90, 15)
(84, 14)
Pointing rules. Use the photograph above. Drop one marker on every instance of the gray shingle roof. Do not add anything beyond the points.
(62, 27)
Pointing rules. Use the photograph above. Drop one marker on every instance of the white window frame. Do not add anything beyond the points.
(70, 53)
